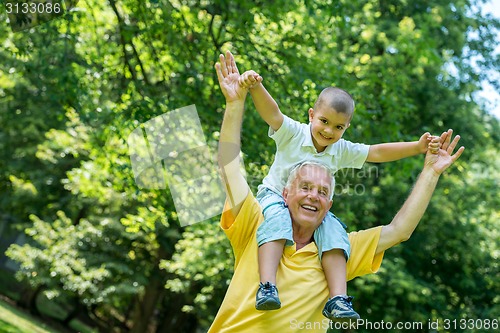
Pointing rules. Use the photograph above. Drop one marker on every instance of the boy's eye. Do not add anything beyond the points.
(340, 128)
(324, 121)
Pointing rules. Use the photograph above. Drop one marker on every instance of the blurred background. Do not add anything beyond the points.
(84, 249)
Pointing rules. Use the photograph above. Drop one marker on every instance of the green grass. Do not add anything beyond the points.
(13, 320)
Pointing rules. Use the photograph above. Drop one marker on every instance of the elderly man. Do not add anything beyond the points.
(303, 288)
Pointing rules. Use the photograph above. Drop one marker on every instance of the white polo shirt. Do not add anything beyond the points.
(295, 145)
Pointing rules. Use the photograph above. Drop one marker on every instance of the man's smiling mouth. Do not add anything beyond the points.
(310, 208)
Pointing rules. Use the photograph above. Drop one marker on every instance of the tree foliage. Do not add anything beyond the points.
(73, 90)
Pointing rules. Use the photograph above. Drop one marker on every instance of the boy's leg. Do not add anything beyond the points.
(269, 258)
(272, 235)
(335, 268)
(333, 244)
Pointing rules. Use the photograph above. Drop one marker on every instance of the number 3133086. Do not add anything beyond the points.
(33, 7)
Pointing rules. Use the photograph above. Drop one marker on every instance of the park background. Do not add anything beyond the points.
(84, 248)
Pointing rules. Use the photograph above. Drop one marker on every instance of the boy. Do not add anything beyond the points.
(320, 141)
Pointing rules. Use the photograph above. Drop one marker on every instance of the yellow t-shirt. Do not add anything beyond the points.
(300, 280)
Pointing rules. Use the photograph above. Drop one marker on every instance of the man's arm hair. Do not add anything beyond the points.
(229, 156)
(406, 220)
(408, 217)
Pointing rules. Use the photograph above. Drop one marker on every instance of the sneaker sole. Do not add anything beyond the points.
(268, 306)
(339, 319)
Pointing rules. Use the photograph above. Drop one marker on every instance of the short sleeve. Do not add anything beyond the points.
(353, 155)
(289, 129)
(363, 259)
(241, 229)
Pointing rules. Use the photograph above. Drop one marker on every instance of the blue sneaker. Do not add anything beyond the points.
(267, 297)
(339, 308)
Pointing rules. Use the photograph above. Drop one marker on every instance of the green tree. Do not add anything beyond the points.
(74, 89)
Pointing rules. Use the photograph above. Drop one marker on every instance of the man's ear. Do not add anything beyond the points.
(330, 204)
(285, 194)
(311, 114)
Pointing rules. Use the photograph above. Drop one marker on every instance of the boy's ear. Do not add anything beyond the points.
(348, 125)
(311, 114)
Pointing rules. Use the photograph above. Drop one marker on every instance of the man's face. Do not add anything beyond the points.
(308, 197)
(327, 126)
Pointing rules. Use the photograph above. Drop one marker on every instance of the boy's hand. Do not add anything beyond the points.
(228, 76)
(429, 142)
(249, 79)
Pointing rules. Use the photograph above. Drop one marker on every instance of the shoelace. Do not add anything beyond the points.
(268, 289)
(346, 301)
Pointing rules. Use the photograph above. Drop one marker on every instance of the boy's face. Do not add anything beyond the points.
(327, 126)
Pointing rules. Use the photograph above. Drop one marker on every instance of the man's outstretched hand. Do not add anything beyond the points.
(229, 76)
(441, 160)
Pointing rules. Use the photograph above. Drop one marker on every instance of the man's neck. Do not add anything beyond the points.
(302, 238)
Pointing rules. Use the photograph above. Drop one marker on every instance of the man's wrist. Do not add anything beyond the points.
(235, 103)
(429, 173)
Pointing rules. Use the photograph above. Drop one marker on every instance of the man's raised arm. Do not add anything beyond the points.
(408, 217)
(230, 134)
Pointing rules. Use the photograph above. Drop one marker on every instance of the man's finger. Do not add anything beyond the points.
(228, 62)
(459, 152)
(223, 66)
(219, 72)
(233, 64)
(447, 140)
(453, 144)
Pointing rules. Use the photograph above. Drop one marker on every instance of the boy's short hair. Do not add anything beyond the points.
(296, 168)
(337, 99)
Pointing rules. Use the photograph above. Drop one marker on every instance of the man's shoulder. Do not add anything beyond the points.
(248, 217)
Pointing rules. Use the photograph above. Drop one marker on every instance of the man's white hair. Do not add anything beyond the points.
(296, 168)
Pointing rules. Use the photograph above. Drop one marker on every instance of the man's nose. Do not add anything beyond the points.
(313, 194)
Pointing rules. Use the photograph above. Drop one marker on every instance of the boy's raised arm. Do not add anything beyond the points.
(392, 151)
(264, 103)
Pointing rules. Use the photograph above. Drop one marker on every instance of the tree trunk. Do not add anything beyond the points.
(144, 312)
